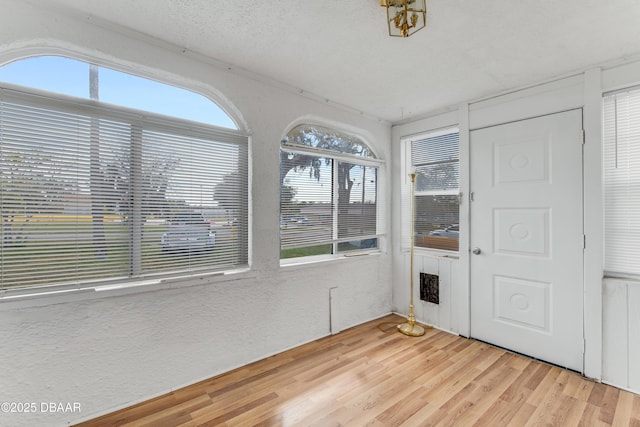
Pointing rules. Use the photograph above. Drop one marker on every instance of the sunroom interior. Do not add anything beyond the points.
(487, 159)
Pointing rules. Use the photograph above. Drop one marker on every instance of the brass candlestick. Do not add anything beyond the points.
(410, 328)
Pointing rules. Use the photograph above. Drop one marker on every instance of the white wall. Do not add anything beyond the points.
(110, 349)
(622, 334)
(609, 340)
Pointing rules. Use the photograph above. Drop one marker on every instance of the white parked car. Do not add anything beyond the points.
(188, 232)
(452, 232)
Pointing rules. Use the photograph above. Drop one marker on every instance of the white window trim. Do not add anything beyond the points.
(343, 157)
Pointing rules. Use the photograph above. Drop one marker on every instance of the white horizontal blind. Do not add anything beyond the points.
(435, 159)
(58, 225)
(306, 205)
(621, 134)
(201, 177)
(91, 193)
(357, 207)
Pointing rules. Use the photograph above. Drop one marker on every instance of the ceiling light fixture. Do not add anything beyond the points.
(405, 17)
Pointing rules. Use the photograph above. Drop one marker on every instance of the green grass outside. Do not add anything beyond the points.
(37, 262)
(308, 251)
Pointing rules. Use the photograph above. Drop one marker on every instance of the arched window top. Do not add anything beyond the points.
(80, 79)
(325, 139)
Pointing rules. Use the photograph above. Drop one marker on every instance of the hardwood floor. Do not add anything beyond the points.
(371, 375)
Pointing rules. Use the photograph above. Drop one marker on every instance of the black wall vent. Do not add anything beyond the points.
(430, 288)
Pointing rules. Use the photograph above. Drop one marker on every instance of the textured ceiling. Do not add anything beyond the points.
(340, 50)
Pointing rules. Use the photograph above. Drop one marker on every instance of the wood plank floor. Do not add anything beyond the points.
(371, 375)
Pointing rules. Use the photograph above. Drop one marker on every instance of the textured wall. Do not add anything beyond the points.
(110, 349)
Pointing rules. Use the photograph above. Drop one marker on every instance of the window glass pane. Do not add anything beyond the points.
(435, 160)
(327, 205)
(435, 149)
(356, 204)
(355, 245)
(71, 77)
(436, 222)
(621, 157)
(63, 219)
(306, 206)
(87, 198)
(326, 139)
(51, 73)
(438, 177)
(193, 193)
(143, 94)
(306, 251)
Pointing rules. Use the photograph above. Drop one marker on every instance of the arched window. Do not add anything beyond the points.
(80, 79)
(108, 177)
(328, 193)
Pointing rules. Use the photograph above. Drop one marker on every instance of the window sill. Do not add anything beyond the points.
(40, 297)
(293, 263)
(433, 253)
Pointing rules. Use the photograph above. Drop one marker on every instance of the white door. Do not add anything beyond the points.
(527, 237)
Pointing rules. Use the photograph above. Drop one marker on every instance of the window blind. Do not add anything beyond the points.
(621, 157)
(435, 159)
(357, 206)
(95, 193)
(306, 205)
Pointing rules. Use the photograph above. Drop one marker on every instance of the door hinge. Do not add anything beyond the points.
(584, 241)
(471, 195)
(582, 136)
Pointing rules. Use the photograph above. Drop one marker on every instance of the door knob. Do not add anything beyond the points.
(476, 250)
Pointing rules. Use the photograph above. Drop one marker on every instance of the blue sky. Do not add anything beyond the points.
(71, 77)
